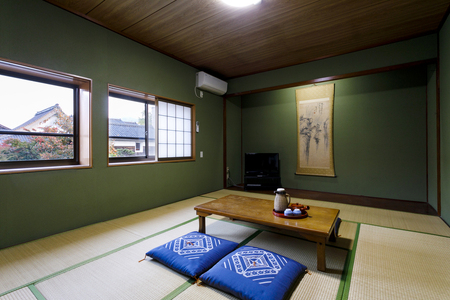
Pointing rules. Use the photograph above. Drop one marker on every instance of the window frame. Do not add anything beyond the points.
(139, 96)
(82, 118)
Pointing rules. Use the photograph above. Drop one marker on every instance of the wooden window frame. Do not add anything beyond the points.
(83, 88)
(146, 97)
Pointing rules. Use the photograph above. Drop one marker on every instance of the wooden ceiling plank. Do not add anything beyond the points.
(292, 21)
(268, 34)
(121, 14)
(229, 22)
(270, 58)
(277, 33)
(79, 6)
(352, 29)
(175, 17)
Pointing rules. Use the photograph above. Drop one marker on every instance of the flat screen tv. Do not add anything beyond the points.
(262, 164)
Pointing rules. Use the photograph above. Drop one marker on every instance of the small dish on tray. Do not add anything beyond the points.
(304, 214)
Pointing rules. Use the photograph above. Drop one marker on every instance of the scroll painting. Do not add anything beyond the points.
(315, 130)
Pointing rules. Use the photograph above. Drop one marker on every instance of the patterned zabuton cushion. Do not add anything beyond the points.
(254, 273)
(192, 254)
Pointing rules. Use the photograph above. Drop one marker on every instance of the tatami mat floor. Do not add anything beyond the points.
(380, 254)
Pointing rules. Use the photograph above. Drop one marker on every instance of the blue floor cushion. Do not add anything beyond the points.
(192, 254)
(254, 273)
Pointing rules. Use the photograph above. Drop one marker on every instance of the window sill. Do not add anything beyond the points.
(42, 169)
(129, 163)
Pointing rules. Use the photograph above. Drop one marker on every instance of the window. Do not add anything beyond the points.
(175, 130)
(44, 119)
(147, 128)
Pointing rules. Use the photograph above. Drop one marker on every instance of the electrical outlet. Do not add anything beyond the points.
(228, 173)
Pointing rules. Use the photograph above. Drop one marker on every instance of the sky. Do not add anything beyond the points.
(128, 111)
(20, 99)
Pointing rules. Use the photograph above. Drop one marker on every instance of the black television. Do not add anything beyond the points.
(262, 164)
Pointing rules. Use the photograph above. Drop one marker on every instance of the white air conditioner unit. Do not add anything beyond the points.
(211, 84)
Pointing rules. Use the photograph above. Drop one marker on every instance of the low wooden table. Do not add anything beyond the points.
(317, 227)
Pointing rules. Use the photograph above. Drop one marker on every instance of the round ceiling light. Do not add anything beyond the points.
(241, 3)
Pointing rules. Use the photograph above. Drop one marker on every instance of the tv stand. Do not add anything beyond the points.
(262, 182)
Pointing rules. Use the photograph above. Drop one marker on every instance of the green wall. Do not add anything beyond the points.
(421, 48)
(33, 205)
(379, 135)
(234, 144)
(444, 70)
(398, 172)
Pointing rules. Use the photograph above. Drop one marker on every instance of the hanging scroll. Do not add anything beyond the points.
(315, 130)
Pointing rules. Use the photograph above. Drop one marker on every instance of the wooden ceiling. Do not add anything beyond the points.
(230, 42)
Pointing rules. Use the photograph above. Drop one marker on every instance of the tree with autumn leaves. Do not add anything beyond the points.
(38, 147)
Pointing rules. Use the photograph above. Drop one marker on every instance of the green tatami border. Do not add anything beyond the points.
(36, 292)
(179, 289)
(346, 277)
(396, 228)
(34, 282)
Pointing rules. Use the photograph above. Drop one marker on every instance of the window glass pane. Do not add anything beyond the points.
(126, 127)
(180, 139)
(151, 150)
(171, 150)
(179, 130)
(31, 106)
(171, 123)
(171, 110)
(187, 112)
(179, 151)
(162, 122)
(33, 147)
(129, 115)
(162, 137)
(187, 150)
(179, 125)
(171, 137)
(162, 107)
(187, 125)
(162, 150)
(187, 138)
(120, 147)
(179, 113)
(151, 115)
(151, 130)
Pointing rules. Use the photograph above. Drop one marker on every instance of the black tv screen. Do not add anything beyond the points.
(262, 164)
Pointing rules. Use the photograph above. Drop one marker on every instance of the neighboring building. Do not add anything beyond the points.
(125, 135)
(44, 118)
(130, 135)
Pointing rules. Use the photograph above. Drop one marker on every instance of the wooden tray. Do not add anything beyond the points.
(303, 215)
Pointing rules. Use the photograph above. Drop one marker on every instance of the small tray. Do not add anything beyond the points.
(303, 215)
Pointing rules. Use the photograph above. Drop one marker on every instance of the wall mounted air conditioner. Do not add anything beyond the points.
(211, 84)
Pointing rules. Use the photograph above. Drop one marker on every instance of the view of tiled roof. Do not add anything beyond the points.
(22, 138)
(38, 115)
(119, 128)
(26, 138)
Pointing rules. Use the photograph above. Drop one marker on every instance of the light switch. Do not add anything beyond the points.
(201, 154)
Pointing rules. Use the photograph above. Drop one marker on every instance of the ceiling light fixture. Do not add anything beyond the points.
(241, 3)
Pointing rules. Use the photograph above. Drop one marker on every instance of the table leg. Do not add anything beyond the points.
(321, 260)
(202, 225)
